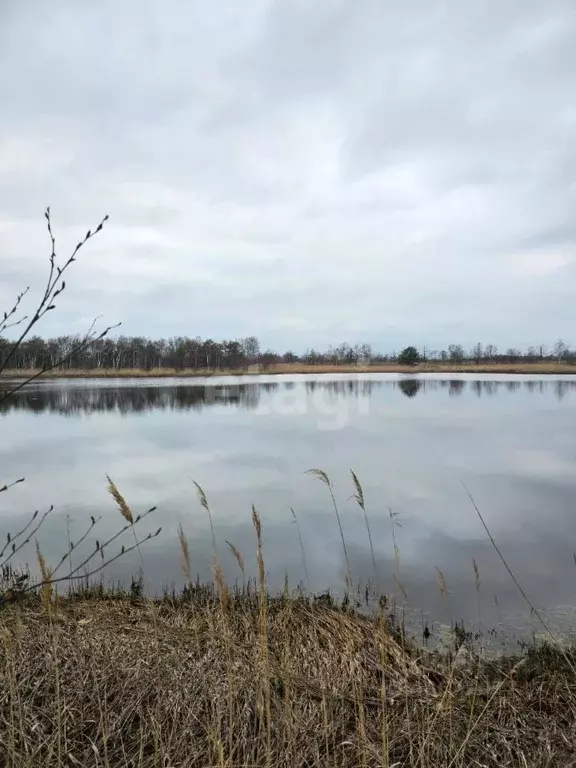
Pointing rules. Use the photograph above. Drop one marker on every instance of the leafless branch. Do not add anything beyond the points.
(5, 322)
(101, 547)
(74, 575)
(88, 574)
(17, 547)
(74, 545)
(83, 569)
(11, 540)
(6, 486)
(55, 285)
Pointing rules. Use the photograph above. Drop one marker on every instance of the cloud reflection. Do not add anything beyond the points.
(65, 399)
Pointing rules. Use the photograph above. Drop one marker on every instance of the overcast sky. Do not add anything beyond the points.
(308, 172)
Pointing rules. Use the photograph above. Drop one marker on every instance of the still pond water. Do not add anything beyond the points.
(412, 443)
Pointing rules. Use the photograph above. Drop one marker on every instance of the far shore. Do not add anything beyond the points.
(544, 367)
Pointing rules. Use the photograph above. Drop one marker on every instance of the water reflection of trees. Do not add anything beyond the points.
(346, 387)
(410, 387)
(484, 387)
(74, 400)
(124, 400)
(456, 387)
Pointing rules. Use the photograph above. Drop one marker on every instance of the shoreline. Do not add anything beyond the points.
(212, 677)
(544, 368)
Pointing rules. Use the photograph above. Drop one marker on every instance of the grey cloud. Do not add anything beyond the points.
(305, 172)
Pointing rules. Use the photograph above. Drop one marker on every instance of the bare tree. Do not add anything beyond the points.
(456, 352)
(560, 349)
(513, 354)
(490, 351)
(365, 353)
(251, 347)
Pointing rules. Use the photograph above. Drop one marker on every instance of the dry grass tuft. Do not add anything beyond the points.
(442, 586)
(321, 475)
(327, 687)
(477, 581)
(185, 550)
(125, 510)
(46, 577)
(239, 557)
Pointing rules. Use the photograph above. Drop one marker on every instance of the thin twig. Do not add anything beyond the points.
(86, 575)
(16, 549)
(11, 485)
(11, 540)
(55, 285)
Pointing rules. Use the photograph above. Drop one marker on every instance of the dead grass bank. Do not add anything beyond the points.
(298, 368)
(236, 680)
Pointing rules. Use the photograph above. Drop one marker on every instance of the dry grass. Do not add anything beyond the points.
(104, 681)
(233, 677)
(545, 367)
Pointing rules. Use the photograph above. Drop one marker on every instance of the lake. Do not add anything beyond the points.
(412, 442)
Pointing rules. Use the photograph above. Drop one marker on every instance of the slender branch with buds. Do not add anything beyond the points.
(55, 286)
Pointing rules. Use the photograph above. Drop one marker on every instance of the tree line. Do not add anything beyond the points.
(185, 353)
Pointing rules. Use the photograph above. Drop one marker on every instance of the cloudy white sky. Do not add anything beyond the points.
(305, 171)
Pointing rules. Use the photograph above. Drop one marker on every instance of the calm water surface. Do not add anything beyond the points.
(412, 442)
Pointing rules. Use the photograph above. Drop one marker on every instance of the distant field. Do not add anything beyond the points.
(545, 367)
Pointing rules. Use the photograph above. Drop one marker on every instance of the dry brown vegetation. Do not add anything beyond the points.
(225, 677)
(234, 677)
(545, 367)
(197, 680)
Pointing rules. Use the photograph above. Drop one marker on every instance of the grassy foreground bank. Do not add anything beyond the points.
(299, 368)
(239, 679)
